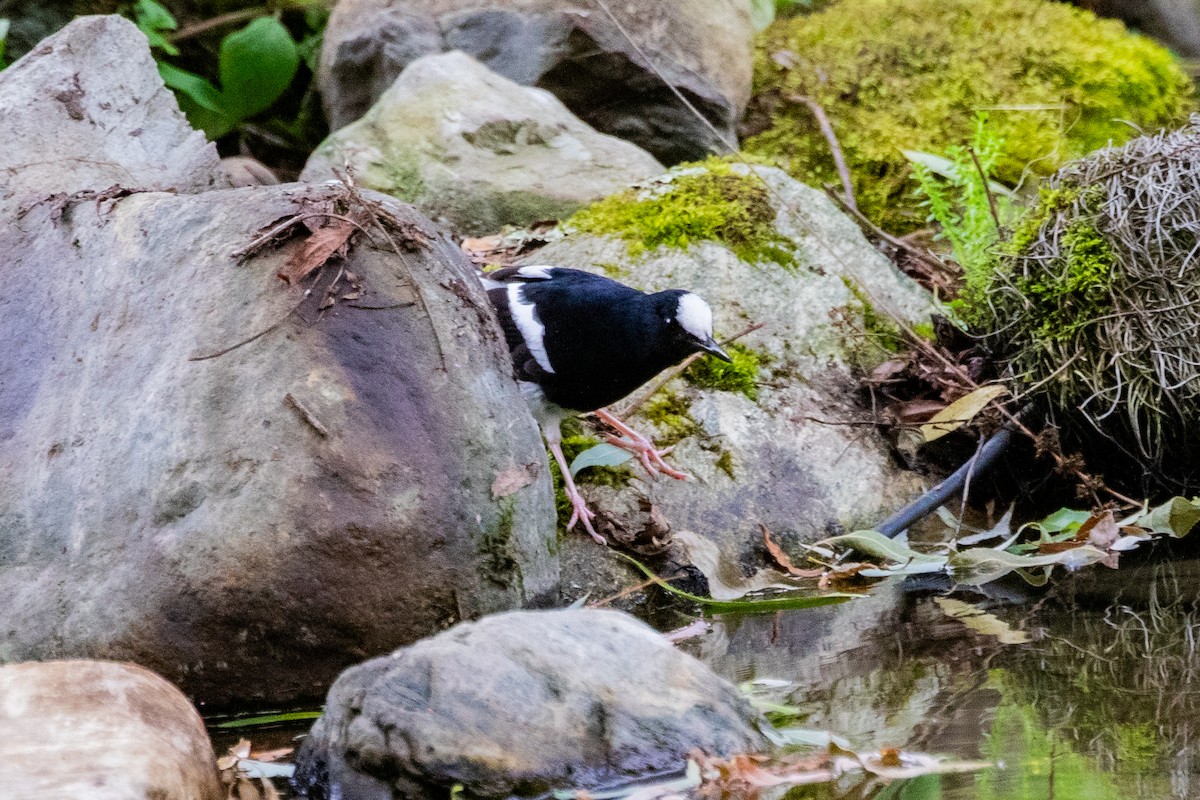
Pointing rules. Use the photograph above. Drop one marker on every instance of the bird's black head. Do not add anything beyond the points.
(689, 322)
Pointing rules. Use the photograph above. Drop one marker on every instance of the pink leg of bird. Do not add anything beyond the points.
(578, 504)
(641, 447)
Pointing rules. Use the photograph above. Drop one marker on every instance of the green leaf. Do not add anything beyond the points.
(1176, 517)
(601, 455)
(199, 100)
(1065, 519)
(776, 603)
(202, 93)
(257, 65)
(4, 23)
(876, 544)
(981, 565)
(151, 19)
(268, 719)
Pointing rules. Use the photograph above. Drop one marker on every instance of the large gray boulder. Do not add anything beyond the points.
(476, 151)
(86, 109)
(243, 484)
(795, 457)
(92, 730)
(620, 78)
(519, 704)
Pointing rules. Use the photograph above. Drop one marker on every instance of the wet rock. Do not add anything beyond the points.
(699, 48)
(251, 522)
(775, 442)
(243, 484)
(91, 730)
(519, 704)
(476, 151)
(86, 109)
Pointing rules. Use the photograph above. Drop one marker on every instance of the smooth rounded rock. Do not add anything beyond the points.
(476, 151)
(519, 704)
(94, 730)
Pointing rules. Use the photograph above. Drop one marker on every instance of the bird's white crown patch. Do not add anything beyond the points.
(695, 316)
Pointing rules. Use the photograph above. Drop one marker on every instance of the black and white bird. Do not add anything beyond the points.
(581, 341)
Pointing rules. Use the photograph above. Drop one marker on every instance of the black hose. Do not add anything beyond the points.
(977, 465)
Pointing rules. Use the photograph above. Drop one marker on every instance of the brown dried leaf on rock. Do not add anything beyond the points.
(782, 559)
(321, 245)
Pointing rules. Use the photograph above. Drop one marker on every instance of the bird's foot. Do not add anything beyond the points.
(581, 513)
(650, 457)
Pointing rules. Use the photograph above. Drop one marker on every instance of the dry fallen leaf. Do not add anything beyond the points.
(318, 248)
(960, 412)
(782, 559)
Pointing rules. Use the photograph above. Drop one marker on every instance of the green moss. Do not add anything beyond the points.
(1137, 746)
(498, 560)
(706, 201)
(574, 442)
(671, 413)
(880, 329)
(911, 74)
(925, 331)
(725, 464)
(739, 375)
(1066, 291)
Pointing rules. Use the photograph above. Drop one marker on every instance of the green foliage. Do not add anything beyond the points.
(738, 375)
(708, 200)
(155, 22)
(4, 26)
(256, 65)
(912, 74)
(962, 200)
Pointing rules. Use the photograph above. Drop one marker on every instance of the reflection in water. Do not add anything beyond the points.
(1100, 704)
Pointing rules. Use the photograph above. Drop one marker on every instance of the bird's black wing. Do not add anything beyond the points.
(525, 366)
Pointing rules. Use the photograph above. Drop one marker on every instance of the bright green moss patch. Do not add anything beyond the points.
(707, 201)
(739, 375)
(672, 414)
(912, 74)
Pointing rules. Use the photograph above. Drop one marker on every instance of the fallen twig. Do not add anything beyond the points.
(835, 147)
(306, 415)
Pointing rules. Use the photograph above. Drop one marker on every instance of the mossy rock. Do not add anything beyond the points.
(705, 201)
(1094, 309)
(912, 74)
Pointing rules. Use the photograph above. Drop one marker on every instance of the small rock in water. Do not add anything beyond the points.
(519, 704)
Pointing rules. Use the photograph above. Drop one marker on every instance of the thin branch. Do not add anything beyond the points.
(987, 188)
(835, 147)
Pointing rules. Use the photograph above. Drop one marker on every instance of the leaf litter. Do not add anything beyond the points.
(1068, 538)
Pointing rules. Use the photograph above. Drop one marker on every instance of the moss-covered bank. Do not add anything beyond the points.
(912, 74)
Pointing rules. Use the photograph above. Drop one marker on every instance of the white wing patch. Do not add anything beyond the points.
(695, 316)
(536, 273)
(532, 331)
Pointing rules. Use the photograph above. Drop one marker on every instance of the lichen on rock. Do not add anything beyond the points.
(911, 74)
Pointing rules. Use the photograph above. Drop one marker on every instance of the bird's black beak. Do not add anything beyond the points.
(712, 348)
